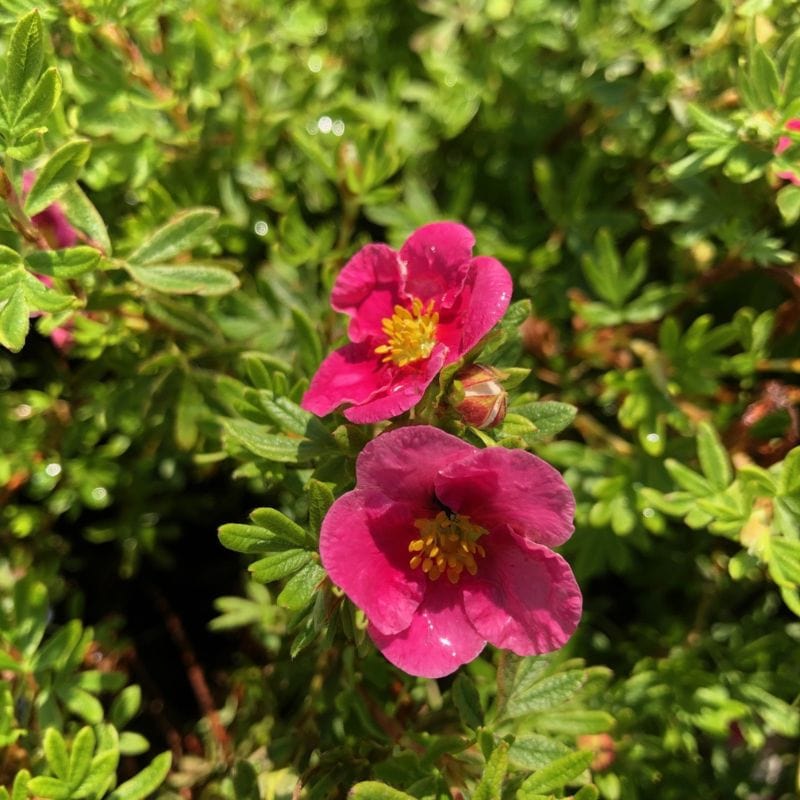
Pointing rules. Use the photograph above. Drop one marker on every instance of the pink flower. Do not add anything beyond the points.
(52, 222)
(446, 547)
(784, 143)
(54, 226)
(412, 313)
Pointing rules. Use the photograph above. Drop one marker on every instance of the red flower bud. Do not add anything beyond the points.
(482, 400)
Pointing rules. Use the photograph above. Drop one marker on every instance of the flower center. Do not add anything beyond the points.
(447, 545)
(411, 333)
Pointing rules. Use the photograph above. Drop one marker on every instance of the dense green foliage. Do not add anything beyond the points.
(221, 162)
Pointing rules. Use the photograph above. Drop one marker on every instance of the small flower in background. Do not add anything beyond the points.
(446, 547)
(52, 222)
(784, 143)
(55, 227)
(480, 399)
(412, 313)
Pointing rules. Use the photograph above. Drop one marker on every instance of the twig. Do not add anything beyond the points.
(195, 674)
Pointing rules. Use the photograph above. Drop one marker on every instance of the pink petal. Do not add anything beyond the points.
(789, 175)
(524, 597)
(793, 124)
(501, 489)
(368, 289)
(62, 338)
(784, 143)
(439, 639)
(403, 390)
(436, 258)
(54, 222)
(482, 303)
(351, 374)
(402, 464)
(364, 547)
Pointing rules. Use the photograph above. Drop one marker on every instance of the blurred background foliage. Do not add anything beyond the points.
(632, 164)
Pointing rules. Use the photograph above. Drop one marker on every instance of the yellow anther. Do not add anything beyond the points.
(411, 333)
(447, 546)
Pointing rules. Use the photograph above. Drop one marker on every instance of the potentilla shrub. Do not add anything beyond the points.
(473, 327)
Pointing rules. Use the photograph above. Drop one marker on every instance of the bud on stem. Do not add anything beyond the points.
(480, 399)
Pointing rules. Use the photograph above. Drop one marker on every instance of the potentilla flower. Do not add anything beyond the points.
(52, 222)
(411, 313)
(784, 143)
(54, 226)
(446, 547)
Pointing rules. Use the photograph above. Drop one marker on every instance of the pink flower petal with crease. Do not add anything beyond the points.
(364, 548)
(502, 489)
(350, 374)
(483, 301)
(437, 258)
(404, 390)
(402, 464)
(368, 289)
(524, 597)
(439, 639)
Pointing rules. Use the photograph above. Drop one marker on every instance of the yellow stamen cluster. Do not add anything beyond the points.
(411, 333)
(447, 546)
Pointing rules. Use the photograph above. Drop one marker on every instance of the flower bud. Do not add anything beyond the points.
(482, 400)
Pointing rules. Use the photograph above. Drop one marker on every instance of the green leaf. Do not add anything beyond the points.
(764, 77)
(535, 751)
(301, 588)
(184, 231)
(28, 146)
(80, 759)
(603, 269)
(14, 321)
(279, 565)
(81, 703)
(271, 446)
(40, 104)
(52, 180)
(788, 200)
(57, 649)
(250, 539)
(101, 774)
(49, 788)
(70, 263)
(545, 693)
(375, 790)
(132, 744)
(575, 722)
(714, 460)
(83, 215)
(789, 481)
(588, 792)
(284, 414)
(784, 560)
(711, 123)
(491, 783)
(687, 479)
(309, 346)
(468, 702)
(549, 417)
(245, 781)
(320, 499)
(55, 750)
(146, 782)
(200, 279)
(23, 58)
(20, 789)
(282, 527)
(556, 775)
